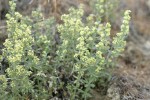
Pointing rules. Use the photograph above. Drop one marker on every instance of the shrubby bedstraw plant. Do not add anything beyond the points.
(37, 68)
(86, 50)
(26, 51)
(18, 43)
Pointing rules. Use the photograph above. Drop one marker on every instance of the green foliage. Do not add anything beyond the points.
(86, 49)
(36, 70)
(19, 40)
(104, 9)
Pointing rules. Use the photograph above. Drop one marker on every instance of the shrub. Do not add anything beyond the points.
(37, 68)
